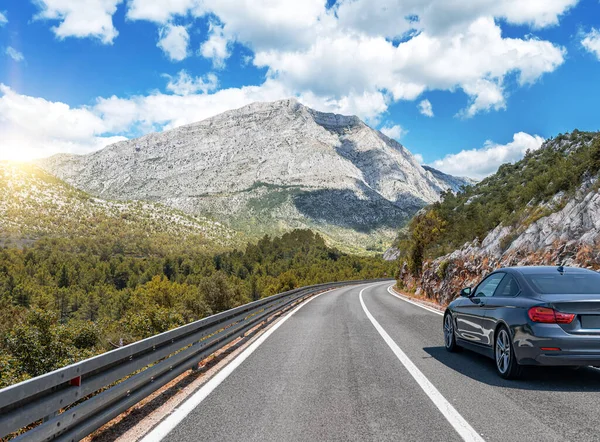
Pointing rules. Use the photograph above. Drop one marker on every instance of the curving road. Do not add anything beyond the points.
(360, 364)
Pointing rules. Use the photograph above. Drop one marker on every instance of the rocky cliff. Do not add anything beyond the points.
(267, 168)
(562, 229)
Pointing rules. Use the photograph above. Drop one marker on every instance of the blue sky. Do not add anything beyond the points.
(498, 76)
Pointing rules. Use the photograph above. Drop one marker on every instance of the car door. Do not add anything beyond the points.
(470, 315)
(502, 303)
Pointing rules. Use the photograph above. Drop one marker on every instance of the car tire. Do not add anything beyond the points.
(504, 355)
(449, 336)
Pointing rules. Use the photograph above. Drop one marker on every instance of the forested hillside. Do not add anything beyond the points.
(62, 299)
(515, 196)
(35, 204)
(542, 210)
(79, 275)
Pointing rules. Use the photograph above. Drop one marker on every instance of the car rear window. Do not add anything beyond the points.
(574, 283)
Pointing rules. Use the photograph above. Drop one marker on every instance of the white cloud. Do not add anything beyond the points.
(339, 60)
(591, 42)
(425, 108)
(485, 95)
(14, 54)
(174, 41)
(418, 157)
(265, 24)
(393, 18)
(537, 13)
(368, 105)
(258, 23)
(479, 163)
(3, 19)
(446, 45)
(216, 47)
(396, 131)
(475, 59)
(81, 18)
(185, 84)
(33, 127)
(166, 111)
(161, 11)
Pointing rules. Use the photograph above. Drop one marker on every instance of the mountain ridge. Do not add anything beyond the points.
(268, 168)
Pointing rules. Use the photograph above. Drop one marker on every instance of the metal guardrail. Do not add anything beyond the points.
(60, 398)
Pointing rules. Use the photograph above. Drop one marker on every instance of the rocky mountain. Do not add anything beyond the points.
(554, 201)
(268, 168)
(456, 184)
(35, 205)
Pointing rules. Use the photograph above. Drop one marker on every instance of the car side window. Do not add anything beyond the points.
(508, 287)
(489, 285)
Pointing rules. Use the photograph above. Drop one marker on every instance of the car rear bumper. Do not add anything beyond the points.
(566, 359)
(532, 346)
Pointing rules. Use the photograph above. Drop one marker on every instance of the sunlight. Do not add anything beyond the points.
(16, 151)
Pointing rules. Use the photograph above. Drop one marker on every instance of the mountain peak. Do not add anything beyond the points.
(267, 168)
(293, 107)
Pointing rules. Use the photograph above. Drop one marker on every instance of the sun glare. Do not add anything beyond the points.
(17, 153)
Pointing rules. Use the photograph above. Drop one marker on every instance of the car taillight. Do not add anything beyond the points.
(549, 316)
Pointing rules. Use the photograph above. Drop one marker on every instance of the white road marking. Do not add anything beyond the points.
(167, 425)
(391, 292)
(459, 423)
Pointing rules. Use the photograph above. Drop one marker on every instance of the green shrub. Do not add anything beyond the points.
(443, 269)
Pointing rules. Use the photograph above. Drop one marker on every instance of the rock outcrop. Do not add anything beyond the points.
(454, 183)
(568, 236)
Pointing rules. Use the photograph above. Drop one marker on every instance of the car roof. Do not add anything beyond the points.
(527, 270)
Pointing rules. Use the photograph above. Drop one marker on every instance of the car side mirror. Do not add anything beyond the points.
(466, 292)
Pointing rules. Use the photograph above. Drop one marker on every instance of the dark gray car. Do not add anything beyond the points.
(529, 316)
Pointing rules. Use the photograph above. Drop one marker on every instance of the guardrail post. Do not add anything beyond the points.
(195, 367)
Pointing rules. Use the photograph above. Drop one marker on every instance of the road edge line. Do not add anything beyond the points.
(171, 421)
(459, 423)
(391, 292)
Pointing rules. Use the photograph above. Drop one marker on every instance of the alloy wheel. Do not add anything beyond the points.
(448, 331)
(503, 351)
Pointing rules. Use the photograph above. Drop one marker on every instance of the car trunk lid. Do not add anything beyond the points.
(585, 304)
(586, 307)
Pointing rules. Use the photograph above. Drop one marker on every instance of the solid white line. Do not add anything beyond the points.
(167, 425)
(391, 292)
(459, 423)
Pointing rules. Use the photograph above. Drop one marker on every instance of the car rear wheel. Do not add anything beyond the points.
(504, 355)
(449, 338)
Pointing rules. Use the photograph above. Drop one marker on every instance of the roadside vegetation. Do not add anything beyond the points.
(64, 299)
(516, 195)
(81, 275)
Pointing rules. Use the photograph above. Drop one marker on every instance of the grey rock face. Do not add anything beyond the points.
(454, 183)
(391, 254)
(266, 168)
(569, 236)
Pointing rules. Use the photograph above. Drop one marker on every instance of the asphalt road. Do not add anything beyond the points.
(328, 374)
